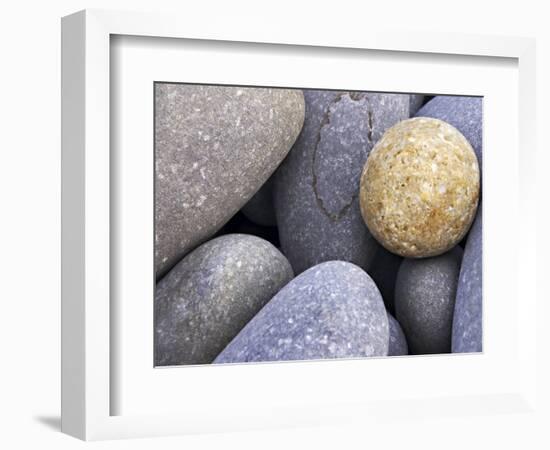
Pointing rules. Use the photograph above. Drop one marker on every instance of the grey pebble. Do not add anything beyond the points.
(332, 310)
(398, 341)
(463, 113)
(317, 185)
(467, 322)
(214, 147)
(210, 295)
(424, 301)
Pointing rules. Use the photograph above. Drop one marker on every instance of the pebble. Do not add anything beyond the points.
(424, 301)
(332, 310)
(211, 294)
(215, 146)
(420, 188)
(467, 321)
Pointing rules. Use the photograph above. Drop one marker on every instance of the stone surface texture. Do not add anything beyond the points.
(463, 113)
(260, 208)
(420, 188)
(332, 310)
(214, 147)
(398, 341)
(424, 301)
(316, 187)
(468, 317)
(210, 295)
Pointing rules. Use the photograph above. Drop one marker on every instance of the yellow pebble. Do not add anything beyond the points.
(420, 188)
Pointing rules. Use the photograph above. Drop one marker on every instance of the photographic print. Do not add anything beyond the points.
(302, 224)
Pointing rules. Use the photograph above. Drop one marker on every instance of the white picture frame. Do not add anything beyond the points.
(99, 402)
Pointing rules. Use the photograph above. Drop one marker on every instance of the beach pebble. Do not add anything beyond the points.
(316, 186)
(215, 146)
(332, 310)
(467, 321)
(420, 188)
(424, 301)
(210, 295)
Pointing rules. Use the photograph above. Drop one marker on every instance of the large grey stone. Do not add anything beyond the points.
(467, 321)
(463, 113)
(207, 298)
(317, 185)
(332, 310)
(214, 147)
(259, 208)
(424, 301)
(398, 341)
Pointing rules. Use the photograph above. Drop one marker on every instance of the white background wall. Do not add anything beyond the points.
(30, 222)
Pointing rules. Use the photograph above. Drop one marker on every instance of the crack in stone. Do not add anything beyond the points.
(354, 96)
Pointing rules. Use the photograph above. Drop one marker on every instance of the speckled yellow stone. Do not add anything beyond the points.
(420, 188)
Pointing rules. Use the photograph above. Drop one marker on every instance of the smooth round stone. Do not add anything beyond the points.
(383, 271)
(467, 321)
(420, 188)
(463, 113)
(424, 301)
(210, 295)
(316, 187)
(260, 208)
(332, 310)
(398, 341)
(215, 146)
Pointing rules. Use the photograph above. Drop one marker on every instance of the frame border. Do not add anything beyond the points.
(85, 189)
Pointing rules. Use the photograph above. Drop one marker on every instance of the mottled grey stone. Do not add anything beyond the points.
(467, 321)
(214, 146)
(424, 301)
(383, 271)
(332, 310)
(206, 299)
(398, 342)
(463, 113)
(259, 208)
(416, 103)
(317, 185)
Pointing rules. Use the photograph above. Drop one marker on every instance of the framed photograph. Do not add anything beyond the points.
(268, 228)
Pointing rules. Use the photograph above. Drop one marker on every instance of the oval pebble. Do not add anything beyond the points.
(332, 310)
(420, 188)
(210, 295)
(214, 148)
(424, 301)
(467, 320)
